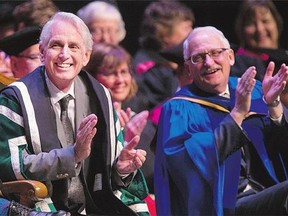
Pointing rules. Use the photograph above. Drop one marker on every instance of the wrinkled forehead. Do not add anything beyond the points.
(203, 41)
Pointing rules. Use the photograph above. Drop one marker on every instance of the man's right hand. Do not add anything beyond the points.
(243, 95)
(85, 134)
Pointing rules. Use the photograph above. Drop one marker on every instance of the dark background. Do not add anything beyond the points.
(220, 14)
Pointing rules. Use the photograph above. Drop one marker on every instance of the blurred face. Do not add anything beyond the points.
(65, 54)
(180, 32)
(5, 65)
(212, 74)
(118, 80)
(262, 32)
(105, 30)
(26, 61)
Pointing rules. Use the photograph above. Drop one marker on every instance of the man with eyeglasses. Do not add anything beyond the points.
(23, 50)
(222, 141)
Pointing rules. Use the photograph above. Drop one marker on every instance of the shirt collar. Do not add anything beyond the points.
(55, 93)
(226, 93)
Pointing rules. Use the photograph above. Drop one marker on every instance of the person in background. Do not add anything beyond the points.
(258, 27)
(111, 66)
(216, 135)
(34, 13)
(68, 133)
(23, 50)
(164, 24)
(14, 18)
(104, 21)
(174, 56)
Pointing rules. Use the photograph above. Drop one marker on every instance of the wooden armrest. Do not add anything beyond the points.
(27, 191)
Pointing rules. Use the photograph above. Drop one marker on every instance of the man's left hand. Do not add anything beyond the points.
(130, 159)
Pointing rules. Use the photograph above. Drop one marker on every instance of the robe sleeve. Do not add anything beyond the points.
(15, 157)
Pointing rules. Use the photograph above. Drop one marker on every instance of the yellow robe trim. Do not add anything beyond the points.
(209, 104)
(6, 80)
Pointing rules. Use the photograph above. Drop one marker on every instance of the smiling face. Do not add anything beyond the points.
(65, 54)
(261, 31)
(212, 74)
(118, 80)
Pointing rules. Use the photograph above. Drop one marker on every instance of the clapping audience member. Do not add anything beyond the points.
(104, 21)
(221, 145)
(164, 24)
(258, 27)
(64, 131)
(111, 66)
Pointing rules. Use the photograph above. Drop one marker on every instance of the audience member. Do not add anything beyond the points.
(174, 55)
(34, 13)
(258, 27)
(104, 21)
(96, 172)
(164, 24)
(211, 124)
(111, 66)
(23, 50)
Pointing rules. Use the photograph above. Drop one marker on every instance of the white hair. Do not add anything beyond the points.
(210, 30)
(102, 10)
(72, 19)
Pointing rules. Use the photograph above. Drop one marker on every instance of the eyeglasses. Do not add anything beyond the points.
(102, 31)
(31, 57)
(115, 74)
(201, 57)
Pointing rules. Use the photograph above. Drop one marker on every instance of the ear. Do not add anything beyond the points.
(13, 63)
(186, 69)
(41, 53)
(231, 57)
(86, 57)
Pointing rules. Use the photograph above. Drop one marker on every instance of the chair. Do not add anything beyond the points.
(27, 192)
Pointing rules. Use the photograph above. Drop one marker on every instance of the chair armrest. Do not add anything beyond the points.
(27, 191)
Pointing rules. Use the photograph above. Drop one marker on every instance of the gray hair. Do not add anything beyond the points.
(210, 30)
(72, 19)
(102, 10)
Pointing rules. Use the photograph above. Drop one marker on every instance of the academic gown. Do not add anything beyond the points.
(34, 147)
(198, 156)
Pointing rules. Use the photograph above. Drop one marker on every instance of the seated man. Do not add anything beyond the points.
(220, 129)
(65, 132)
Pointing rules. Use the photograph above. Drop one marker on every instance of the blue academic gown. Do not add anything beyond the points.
(198, 156)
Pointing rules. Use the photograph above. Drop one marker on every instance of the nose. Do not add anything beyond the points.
(259, 27)
(64, 52)
(208, 60)
(119, 77)
(106, 37)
